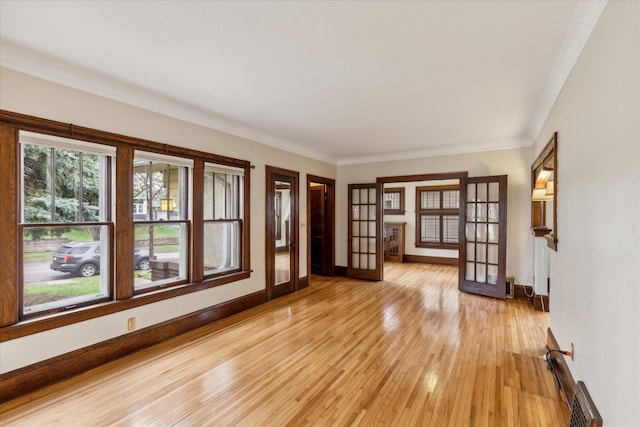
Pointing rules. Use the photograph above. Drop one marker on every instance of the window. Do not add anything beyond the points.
(161, 231)
(437, 216)
(65, 223)
(394, 201)
(223, 222)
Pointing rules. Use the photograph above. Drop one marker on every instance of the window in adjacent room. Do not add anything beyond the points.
(394, 201)
(161, 218)
(223, 219)
(66, 223)
(437, 216)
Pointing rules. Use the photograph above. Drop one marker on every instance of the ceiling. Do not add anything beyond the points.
(344, 82)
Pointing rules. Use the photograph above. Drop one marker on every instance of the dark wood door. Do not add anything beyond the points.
(281, 231)
(365, 251)
(318, 229)
(483, 236)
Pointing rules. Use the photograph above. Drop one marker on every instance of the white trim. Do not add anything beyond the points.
(444, 150)
(230, 170)
(162, 158)
(584, 21)
(65, 143)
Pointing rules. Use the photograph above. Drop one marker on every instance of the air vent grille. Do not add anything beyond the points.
(583, 410)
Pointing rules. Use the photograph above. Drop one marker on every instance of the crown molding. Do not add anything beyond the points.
(443, 150)
(56, 71)
(584, 21)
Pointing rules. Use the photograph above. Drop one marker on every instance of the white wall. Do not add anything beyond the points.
(515, 163)
(595, 274)
(28, 95)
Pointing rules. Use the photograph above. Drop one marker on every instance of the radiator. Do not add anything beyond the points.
(583, 410)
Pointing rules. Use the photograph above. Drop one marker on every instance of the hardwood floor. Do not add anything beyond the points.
(411, 350)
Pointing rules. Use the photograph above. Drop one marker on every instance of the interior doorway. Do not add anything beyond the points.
(281, 231)
(321, 229)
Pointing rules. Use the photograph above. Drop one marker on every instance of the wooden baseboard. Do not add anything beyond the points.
(303, 282)
(341, 271)
(560, 369)
(522, 291)
(41, 374)
(430, 260)
(540, 302)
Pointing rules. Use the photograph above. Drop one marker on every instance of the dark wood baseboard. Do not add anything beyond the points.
(522, 291)
(41, 374)
(560, 368)
(303, 282)
(540, 302)
(430, 260)
(341, 271)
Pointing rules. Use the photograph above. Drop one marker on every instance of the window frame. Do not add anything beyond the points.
(400, 192)
(440, 213)
(12, 325)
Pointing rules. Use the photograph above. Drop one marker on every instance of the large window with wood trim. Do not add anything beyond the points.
(394, 201)
(66, 223)
(178, 222)
(223, 213)
(437, 213)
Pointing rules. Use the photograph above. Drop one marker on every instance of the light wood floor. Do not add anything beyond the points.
(411, 350)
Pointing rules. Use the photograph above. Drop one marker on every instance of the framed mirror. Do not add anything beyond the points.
(544, 193)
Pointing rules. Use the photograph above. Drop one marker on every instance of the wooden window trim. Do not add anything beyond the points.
(439, 212)
(11, 327)
(400, 210)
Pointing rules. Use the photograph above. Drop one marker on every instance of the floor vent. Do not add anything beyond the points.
(583, 410)
(510, 284)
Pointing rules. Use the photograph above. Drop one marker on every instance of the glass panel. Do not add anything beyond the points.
(470, 270)
(494, 192)
(221, 246)
(430, 200)
(372, 196)
(355, 228)
(363, 261)
(492, 254)
(451, 199)
(283, 266)
(364, 199)
(355, 245)
(481, 253)
(372, 262)
(471, 232)
(430, 228)
(363, 228)
(471, 212)
(481, 273)
(355, 196)
(159, 186)
(471, 251)
(364, 213)
(482, 212)
(355, 260)
(450, 224)
(355, 212)
(165, 247)
(493, 212)
(363, 244)
(372, 246)
(492, 274)
(62, 266)
(372, 229)
(471, 192)
(482, 192)
(481, 232)
(372, 212)
(493, 233)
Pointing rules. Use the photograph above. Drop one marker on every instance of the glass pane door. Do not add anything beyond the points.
(365, 231)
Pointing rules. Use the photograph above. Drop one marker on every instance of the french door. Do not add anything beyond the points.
(483, 236)
(365, 239)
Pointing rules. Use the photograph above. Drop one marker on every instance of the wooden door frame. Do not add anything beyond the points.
(270, 173)
(330, 209)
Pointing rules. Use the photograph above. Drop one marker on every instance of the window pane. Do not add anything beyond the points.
(450, 228)
(62, 266)
(165, 248)
(159, 188)
(450, 199)
(221, 246)
(429, 200)
(429, 228)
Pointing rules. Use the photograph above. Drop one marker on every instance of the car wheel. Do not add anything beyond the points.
(88, 270)
(143, 264)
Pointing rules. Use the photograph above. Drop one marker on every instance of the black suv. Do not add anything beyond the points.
(83, 259)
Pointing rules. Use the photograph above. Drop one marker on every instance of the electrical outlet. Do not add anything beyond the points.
(131, 323)
(572, 352)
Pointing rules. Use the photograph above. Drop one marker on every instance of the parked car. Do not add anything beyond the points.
(83, 259)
